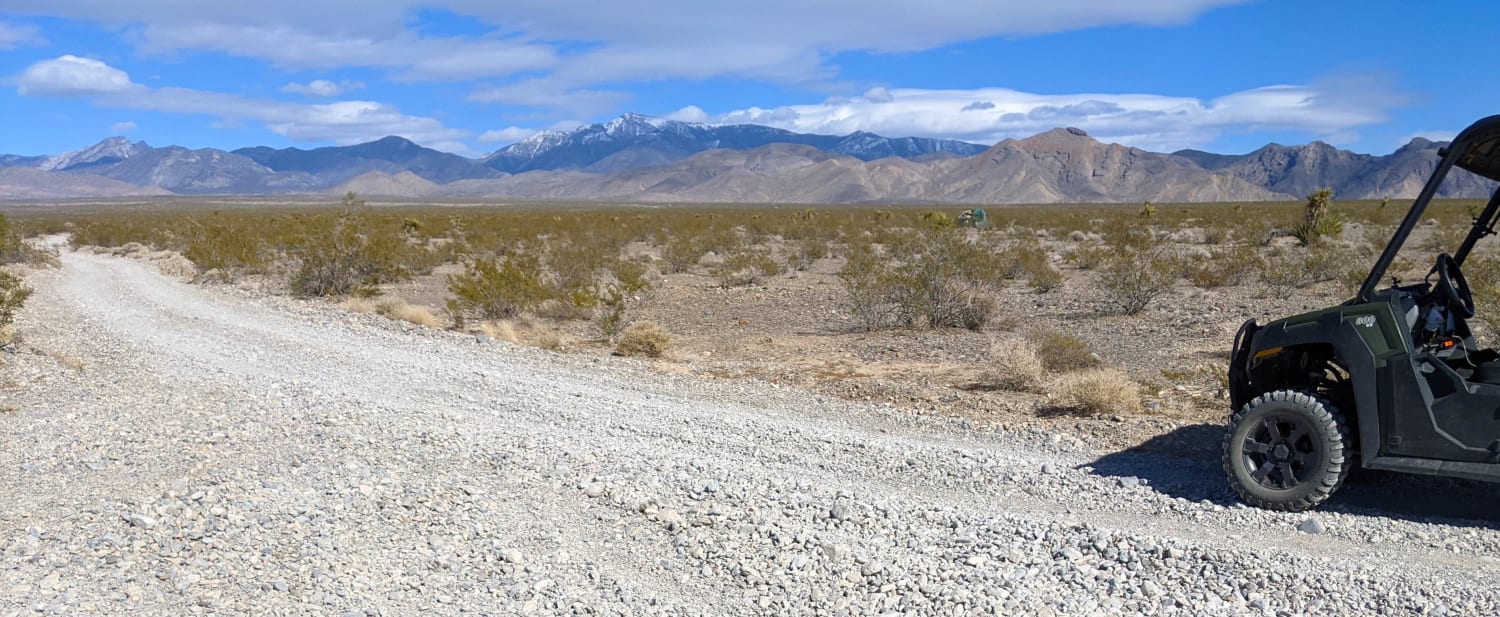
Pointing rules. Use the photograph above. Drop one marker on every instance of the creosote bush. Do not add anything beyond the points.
(1089, 257)
(933, 277)
(1223, 267)
(610, 315)
(1124, 235)
(643, 338)
(1285, 272)
(11, 246)
(745, 267)
(353, 256)
(1028, 259)
(1046, 278)
(1131, 279)
(13, 295)
(15, 250)
(495, 289)
(680, 252)
(813, 248)
(224, 248)
(630, 276)
(867, 283)
(1097, 392)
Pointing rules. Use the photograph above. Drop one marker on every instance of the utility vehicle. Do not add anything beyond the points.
(1391, 379)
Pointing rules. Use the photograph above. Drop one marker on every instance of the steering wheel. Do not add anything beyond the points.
(1453, 286)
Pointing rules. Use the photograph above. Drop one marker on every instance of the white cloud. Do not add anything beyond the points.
(691, 113)
(122, 127)
(509, 134)
(20, 35)
(1155, 122)
(71, 75)
(513, 134)
(343, 122)
(546, 93)
(575, 45)
(322, 87)
(409, 56)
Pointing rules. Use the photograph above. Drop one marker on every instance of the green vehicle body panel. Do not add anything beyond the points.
(1381, 334)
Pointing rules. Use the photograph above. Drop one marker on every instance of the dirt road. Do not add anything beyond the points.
(229, 454)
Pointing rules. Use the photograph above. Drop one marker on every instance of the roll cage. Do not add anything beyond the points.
(1476, 150)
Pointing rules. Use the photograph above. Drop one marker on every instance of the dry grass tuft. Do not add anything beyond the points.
(1014, 365)
(8, 334)
(549, 339)
(396, 308)
(1098, 392)
(67, 361)
(643, 338)
(526, 332)
(360, 305)
(501, 330)
(1061, 352)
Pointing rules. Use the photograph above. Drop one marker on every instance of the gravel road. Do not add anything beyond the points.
(222, 453)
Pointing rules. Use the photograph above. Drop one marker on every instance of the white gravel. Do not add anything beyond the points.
(220, 453)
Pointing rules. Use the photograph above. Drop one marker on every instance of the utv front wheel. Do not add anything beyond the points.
(1286, 450)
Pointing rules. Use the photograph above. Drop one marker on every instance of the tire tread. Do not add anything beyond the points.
(1322, 411)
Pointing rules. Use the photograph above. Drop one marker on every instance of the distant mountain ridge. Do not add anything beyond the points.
(633, 141)
(391, 155)
(639, 158)
(1299, 170)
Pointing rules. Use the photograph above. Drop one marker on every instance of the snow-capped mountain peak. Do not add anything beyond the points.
(591, 147)
(632, 125)
(111, 150)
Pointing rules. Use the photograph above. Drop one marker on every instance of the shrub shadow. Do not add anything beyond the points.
(1185, 464)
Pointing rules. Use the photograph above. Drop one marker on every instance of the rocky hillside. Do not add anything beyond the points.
(1299, 170)
(1066, 165)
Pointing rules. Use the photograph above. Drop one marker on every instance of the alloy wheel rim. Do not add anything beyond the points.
(1280, 452)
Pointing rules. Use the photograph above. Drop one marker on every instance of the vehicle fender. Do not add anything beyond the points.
(1337, 330)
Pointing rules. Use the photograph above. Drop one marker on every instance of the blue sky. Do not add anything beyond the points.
(469, 76)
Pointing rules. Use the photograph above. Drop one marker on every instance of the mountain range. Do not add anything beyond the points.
(638, 158)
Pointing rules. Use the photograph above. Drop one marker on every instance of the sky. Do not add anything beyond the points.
(470, 76)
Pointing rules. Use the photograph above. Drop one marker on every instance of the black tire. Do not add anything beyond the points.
(1286, 450)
